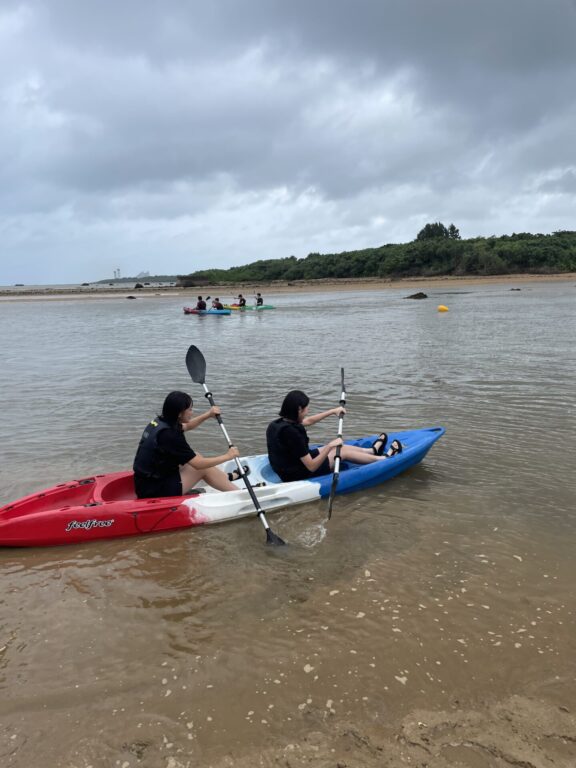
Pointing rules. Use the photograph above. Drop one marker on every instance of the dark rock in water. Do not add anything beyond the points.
(130, 297)
(515, 289)
(418, 295)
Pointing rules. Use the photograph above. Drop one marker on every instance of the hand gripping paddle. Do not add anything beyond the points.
(196, 365)
(336, 474)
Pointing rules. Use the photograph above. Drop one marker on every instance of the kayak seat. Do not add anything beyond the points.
(120, 489)
(268, 474)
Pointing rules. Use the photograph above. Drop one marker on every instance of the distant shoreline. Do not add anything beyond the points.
(327, 285)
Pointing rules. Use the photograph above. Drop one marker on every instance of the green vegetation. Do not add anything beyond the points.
(437, 250)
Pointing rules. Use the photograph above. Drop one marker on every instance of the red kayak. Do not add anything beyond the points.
(100, 507)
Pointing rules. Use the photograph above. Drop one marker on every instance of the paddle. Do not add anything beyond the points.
(336, 474)
(196, 365)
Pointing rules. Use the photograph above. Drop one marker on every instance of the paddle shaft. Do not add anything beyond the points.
(196, 365)
(340, 425)
(241, 472)
(336, 474)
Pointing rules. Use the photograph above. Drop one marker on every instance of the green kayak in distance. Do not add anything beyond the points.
(249, 306)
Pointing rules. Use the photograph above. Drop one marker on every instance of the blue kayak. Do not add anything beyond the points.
(355, 477)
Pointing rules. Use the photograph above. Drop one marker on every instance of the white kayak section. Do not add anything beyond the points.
(216, 507)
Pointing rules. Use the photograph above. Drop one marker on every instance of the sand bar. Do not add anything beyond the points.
(327, 285)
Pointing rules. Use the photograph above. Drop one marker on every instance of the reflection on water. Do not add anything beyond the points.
(447, 586)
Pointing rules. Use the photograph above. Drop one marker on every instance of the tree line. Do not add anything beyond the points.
(436, 251)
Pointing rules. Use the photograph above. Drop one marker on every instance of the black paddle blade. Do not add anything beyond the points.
(196, 365)
(273, 539)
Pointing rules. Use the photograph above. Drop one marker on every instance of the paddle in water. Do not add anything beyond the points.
(336, 474)
(196, 365)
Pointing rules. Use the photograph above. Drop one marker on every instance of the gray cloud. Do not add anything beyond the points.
(168, 136)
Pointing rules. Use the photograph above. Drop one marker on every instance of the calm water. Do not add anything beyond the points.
(448, 587)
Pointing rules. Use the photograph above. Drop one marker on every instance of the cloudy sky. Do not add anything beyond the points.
(169, 136)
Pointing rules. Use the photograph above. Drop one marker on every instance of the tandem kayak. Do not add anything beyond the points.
(106, 507)
(193, 311)
(257, 308)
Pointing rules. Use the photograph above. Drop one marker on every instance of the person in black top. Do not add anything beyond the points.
(201, 304)
(259, 300)
(217, 304)
(165, 465)
(241, 300)
(289, 452)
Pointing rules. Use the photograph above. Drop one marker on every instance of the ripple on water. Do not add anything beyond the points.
(453, 581)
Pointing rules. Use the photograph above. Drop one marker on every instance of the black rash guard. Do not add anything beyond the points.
(287, 444)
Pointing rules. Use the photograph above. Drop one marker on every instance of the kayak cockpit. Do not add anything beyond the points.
(119, 488)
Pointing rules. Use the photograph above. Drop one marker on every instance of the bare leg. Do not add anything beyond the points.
(356, 455)
(213, 476)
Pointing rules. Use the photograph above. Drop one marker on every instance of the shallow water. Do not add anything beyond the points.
(444, 590)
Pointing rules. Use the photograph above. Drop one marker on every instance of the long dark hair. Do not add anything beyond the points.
(292, 402)
(175, 403)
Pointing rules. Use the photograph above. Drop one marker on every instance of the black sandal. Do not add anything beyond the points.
(382, 439)
(235, 475)
(395, 447)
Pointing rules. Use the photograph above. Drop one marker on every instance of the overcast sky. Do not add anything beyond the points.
(169, 136)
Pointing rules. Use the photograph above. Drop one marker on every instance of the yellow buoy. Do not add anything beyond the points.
(442, 308)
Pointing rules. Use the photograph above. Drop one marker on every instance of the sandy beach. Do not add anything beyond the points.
(327, 285)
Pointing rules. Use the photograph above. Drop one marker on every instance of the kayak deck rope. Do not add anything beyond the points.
(156, 524)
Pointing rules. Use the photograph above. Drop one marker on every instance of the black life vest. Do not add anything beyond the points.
(147, 462)
(280, 460)
(242, 302)
(259, 301)
(201, 304)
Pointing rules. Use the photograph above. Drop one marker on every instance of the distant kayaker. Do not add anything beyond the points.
(289, 452)
(217, 304)
(241, 300)
(259, 300)
(200, 304)
(165, 465)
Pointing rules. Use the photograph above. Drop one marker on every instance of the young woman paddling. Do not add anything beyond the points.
(288, 448)
(165, 465)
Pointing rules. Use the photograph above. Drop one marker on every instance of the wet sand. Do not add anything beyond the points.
(411, 284)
